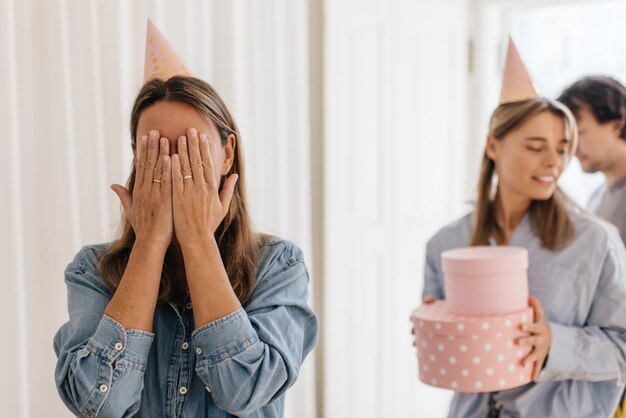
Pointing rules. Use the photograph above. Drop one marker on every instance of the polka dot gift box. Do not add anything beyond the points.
(467, 342)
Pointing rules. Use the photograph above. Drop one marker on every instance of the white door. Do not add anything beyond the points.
(395, 138)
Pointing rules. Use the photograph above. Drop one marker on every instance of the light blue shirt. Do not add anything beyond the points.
(582, 289)
(241, 364)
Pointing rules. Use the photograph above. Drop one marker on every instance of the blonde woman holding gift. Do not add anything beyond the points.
(577, 263)
(190, 312)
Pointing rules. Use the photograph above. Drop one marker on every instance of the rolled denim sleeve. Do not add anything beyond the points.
(249, 358)
(596, 351)
(100, 364)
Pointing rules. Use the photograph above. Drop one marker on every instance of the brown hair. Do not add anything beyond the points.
(549, 218)
(238, 243)
(605, 97)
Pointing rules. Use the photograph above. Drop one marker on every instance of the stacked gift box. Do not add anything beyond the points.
(468, 342)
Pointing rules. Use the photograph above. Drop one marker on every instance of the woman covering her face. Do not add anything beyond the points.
(190, 312)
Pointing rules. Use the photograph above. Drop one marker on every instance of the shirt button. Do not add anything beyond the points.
(182, 390)
(119, 346)
(103, 388)
(185, 345)
(198, 350)
(189, 305)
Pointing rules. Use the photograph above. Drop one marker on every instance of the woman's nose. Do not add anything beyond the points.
(552, 158)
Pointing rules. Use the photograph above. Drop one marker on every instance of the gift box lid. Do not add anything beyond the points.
(484, 260)
(434, 319)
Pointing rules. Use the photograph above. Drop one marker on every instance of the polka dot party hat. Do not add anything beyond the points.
(161, 59)
(516, 83)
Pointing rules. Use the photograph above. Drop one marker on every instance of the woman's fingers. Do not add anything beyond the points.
(536, 369)
(195, 160)
(177, 176)
(140, 161)
(207, 161)
(157, 181)
(532, 327)
(536, 305)
(534, 356)
(226, 194)
(540, 339)
(125, 197)
(534, 341)
(153, 153)
(166, 180)
(183, 159)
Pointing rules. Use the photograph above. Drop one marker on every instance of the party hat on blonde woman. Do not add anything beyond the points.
(161, 59)
(517, 85)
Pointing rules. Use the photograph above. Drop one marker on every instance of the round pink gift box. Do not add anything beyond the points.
(487, 280)
(470, 354)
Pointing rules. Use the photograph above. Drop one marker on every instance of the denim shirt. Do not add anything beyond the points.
(241, 364)
(582, 289)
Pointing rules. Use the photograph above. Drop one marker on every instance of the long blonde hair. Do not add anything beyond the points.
(549, 218)
(238, 243)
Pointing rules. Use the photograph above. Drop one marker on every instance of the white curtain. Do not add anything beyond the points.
(70, 71)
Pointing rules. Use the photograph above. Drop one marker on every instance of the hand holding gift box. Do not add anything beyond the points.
(477, 339)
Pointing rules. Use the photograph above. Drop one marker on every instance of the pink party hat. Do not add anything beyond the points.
(516, 83)
(161, 59)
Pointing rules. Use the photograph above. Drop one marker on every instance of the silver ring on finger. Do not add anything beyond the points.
(187, 177)
(157, 181)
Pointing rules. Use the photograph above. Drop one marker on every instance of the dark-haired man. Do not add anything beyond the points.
(599, 104)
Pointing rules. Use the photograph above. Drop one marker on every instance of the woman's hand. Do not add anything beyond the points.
(428, 299)
(540, 339)
(199, 206)
(149, 207)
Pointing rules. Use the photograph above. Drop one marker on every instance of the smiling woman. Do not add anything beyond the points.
(575, 275)
(541, 137)
(576, 263)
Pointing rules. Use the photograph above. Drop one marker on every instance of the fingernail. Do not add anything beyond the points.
(202, 137)
(153, 134)
(144, 139)
(193, 132)
(183, 140)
